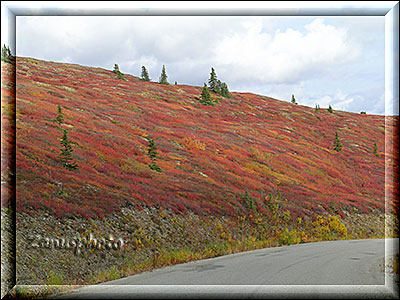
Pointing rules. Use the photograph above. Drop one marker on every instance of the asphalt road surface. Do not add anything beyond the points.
(327, 268)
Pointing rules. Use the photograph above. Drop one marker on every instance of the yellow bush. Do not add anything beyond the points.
(329, 228)
(290, 237)
(192, 143)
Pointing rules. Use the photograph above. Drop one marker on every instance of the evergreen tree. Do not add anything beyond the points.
(118, 72)
(152, 153)
(218, 87)
(225, 90)
(145, 75)
(163, 77)
(65, 156)
(317, 108)
(6, 54)
(152, 150)
(293, 100)
(337, 145)
(176, 83)
(330, 109)
(375, 150)
(206, 97)
(213, 81)
(60, 117)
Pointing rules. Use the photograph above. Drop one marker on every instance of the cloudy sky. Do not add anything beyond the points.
(337, 61)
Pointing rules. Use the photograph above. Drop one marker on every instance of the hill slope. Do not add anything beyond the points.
(209, 155)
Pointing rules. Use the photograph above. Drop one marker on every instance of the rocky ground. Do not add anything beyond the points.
(361, 225)
(145, 233)
(7, 251)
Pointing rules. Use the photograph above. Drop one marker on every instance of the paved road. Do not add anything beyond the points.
(316, 266)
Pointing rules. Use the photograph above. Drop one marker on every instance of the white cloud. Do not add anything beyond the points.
(344, 102)
(285, 56)
(325, 61)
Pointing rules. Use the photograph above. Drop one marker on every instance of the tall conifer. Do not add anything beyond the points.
(60, 117)
(163, 77)
(65, 156)
(337, 145)
(6, 54)
(118, 72)
(213, 81)
(145, 75)
(206, 97)
(375, 150)
(152, 153)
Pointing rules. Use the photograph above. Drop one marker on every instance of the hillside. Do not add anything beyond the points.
(209, 155)
(251, 172)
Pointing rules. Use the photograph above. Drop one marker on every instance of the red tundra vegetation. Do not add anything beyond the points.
(208, 155)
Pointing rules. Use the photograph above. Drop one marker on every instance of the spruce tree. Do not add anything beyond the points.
(118, 72)
(317, 108)
(163, 77)
(65, 156)
(206, 97)
(337, 145)
(218, 87)
(145, 75)
(225, 90)
(6, 54)
(152, 153)
(330, 109)
(293, 100)
(213, 81)
(375, 150)
(60, 117)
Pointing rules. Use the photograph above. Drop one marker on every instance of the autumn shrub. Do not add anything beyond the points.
(257, 155)
(248, 200)
(290, 237)
(194, 144)
(328, 228)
